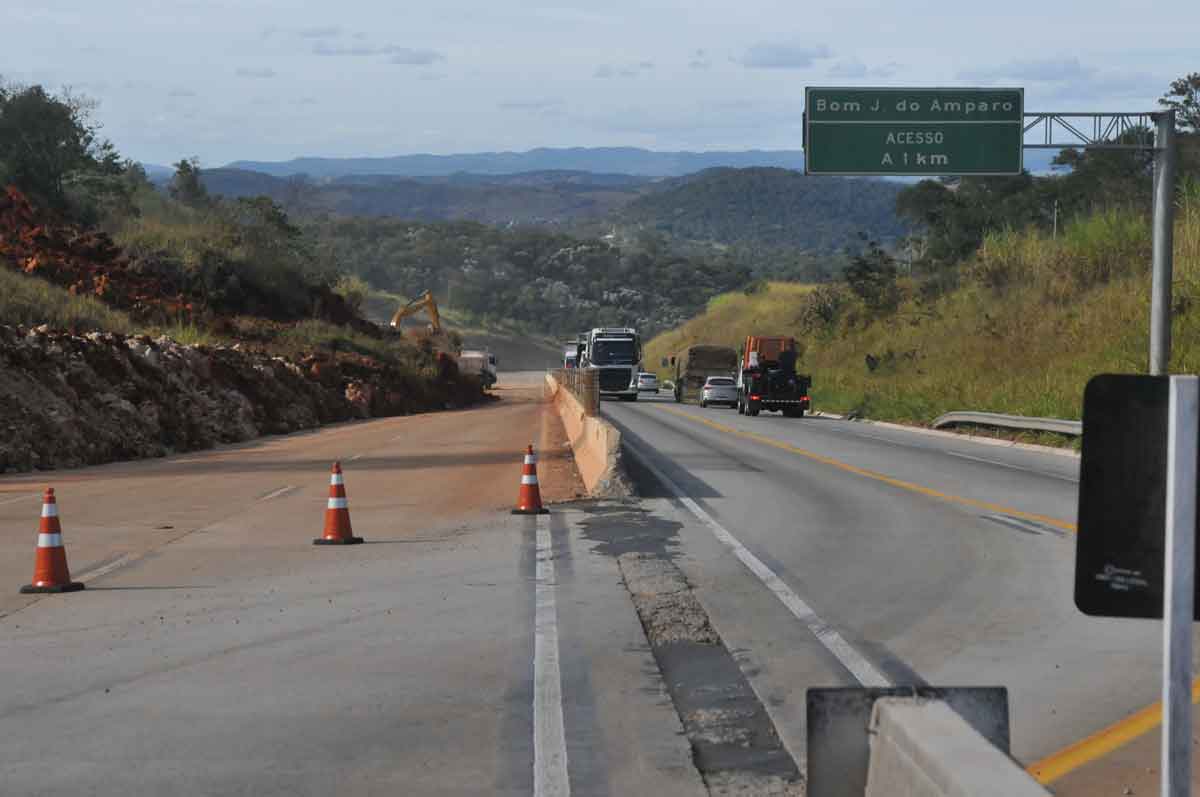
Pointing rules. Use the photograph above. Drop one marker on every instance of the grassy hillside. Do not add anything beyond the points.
(1032, 320)
(730, 317)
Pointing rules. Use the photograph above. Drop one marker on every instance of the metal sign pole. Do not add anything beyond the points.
(1164, 228)
(1183, 430)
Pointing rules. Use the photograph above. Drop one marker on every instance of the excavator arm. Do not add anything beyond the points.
(423, 302)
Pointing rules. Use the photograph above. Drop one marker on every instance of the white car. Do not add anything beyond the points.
(719, 390)
(647, 383)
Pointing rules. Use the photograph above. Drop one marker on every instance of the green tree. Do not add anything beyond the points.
(45, 140)
(871, 275)
(186, 185)
(1184, 97)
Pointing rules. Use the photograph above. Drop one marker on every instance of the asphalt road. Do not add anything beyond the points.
(938, 561)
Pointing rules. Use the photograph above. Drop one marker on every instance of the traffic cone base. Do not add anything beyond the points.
(338, 541)
(529, 498)
(337, 513)
(34, 589)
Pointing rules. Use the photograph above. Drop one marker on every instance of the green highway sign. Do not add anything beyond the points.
(920, 132)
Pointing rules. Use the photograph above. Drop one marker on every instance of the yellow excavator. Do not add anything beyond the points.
(423, 302)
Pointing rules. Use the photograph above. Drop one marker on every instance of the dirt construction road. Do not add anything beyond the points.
(217, 651)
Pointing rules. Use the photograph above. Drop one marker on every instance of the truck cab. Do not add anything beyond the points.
(616, 353)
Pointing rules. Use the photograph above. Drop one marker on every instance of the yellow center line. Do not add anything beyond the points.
(1057, 764)
(870, 474)
(1073, 756)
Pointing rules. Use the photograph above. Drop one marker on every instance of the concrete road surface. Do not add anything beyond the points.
(659, 645)
(217, 651)
(937, 561)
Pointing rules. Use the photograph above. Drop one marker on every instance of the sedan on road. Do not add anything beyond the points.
(647, 383)
(719, 390)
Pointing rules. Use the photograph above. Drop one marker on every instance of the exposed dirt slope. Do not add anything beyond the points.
(68, 400)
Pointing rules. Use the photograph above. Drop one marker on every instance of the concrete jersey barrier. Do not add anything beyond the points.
(595, 442)
(922, 748)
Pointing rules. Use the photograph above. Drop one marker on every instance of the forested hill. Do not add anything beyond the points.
(770, 208)
(547, 281)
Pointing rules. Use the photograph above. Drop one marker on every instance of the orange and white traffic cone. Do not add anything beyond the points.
(337, 513)
(529, 499)
(50, 571)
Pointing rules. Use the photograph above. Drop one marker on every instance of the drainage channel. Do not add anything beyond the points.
(735, 746)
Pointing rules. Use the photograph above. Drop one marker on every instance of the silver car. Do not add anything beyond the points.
(719, 390)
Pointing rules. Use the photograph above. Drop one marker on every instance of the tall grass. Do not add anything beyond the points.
(31, 301)
(730, 317)
(1033, 319)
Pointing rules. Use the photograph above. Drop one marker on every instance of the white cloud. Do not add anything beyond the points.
(606, 71)
(409, 56)
(531, 105)
(853, 69)
(326, 32)
(256, 73)
(1043, 69)
(783, 55)
(413, 57)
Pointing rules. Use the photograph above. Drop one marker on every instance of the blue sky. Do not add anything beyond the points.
(271, 79)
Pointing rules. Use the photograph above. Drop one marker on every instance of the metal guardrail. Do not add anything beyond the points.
(583, 384)
(1056, 425)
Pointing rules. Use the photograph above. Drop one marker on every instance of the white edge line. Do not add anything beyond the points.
(550, 777)
(277, 493)
(103, 570)
(1000, 464)
(862, 670)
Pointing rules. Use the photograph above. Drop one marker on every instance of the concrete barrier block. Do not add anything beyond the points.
(923, 748)
(595, 443)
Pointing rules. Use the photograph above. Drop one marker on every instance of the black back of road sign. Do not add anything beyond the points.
(1122, 497)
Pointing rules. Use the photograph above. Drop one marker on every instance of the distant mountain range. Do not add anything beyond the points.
(617, 161)
(603, 160)
(545, 198)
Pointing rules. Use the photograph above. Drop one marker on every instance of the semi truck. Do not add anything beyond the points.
(696, 363)
(616, 354)
(767, 378)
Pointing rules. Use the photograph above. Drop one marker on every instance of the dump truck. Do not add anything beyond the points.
(694, 364)
(481, 364)
(767, 378)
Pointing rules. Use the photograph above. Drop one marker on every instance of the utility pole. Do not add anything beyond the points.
(1164, 230)
(1056, 218)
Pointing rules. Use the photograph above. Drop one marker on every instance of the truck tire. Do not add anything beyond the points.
(633, 397)
(753, 408)
(703, 404)
(741, 408)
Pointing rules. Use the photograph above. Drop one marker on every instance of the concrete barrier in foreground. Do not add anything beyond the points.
(595, 442)
(923, 748)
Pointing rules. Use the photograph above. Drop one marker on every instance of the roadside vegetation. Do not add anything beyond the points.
(88, 243)
(1008, 304)
(1032, 318)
